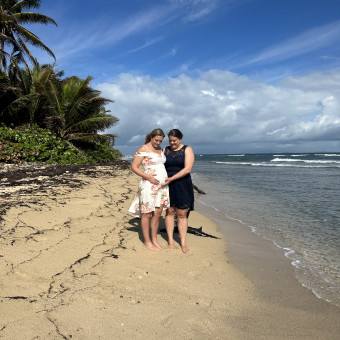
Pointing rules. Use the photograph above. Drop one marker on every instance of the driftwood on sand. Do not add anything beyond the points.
(198, 189)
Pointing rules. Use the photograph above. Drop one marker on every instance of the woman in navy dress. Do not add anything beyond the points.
(179, 162)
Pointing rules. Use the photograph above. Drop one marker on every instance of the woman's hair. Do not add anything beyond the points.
(175, 133)
(154, 133)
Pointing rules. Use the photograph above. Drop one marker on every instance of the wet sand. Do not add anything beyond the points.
(72, 266)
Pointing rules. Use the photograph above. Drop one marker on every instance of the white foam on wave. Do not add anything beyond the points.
(253, 229)
(207, 205)
(288, 251)
(234, 219)
(286, 160)
(328, 154)
(308, 161)
(287, 163)
(236, 155)
(297, 165)
(233, 163)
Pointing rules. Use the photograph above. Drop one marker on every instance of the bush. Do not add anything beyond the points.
(41, 146)
(99, 152)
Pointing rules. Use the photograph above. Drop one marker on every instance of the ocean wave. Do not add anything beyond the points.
(233, 163)
(317, 161)
(287, 164)
(328, 154)
(236, 155)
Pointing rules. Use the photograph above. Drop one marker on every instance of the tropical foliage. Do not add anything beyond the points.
(66, 115)
(40, 145)
(77, 111)
(13, 14)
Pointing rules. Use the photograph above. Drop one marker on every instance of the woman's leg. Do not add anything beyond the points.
(170, 225)
(182, 222)
(154, 226)
(145, 222)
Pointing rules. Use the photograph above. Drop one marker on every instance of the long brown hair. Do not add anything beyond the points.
(154, 133)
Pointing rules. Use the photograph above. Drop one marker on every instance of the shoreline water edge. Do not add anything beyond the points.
(73, 266)
(289, 199)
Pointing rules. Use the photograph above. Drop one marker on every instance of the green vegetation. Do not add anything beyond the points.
(41, 146)
(45, 117)
(12, 33)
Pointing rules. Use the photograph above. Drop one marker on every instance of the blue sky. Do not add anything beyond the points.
(233, 75)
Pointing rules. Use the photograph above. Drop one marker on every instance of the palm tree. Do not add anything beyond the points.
(77, 112)
(8, 94)
(22, 93)
(13, 34)
(69, 107)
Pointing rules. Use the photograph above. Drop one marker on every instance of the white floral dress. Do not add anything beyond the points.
(150, 196)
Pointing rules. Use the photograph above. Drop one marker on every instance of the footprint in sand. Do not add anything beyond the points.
(169, 321)
(206, 263)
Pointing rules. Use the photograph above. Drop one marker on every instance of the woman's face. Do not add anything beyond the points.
(174, 142)
(156, 141)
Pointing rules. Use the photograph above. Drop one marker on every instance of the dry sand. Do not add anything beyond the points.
(72, 266)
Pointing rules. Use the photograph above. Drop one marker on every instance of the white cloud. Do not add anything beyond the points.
(308, 41)
(136, 139)
(105, 32)
(223, 111)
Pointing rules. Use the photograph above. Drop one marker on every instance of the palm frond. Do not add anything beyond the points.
(22, 4)
(35, 41)
(92, 124)
(89, 137)
(33, 18)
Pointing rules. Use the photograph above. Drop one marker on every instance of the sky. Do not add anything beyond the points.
(235, 76)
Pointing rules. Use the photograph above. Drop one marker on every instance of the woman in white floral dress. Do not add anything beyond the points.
(152, 198)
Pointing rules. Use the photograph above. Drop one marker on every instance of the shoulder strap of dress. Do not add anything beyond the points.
(146, 147)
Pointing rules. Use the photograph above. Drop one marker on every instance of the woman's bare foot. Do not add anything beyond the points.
(156, 244)
(184, 249)
(171, 245)
(150, 246)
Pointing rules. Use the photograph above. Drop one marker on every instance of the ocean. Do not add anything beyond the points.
(289, 199)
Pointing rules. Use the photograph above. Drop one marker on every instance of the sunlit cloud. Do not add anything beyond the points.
(229, 108)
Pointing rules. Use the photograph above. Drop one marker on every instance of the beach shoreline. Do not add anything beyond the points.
(73, 266)
(264, 263)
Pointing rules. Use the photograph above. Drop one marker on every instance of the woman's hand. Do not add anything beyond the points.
(167, 181)
(153, 179)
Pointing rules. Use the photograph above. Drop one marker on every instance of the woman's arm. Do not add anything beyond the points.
(137, 161)
(188, 164)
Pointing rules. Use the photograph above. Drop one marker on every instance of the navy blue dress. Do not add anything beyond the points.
(180, 190)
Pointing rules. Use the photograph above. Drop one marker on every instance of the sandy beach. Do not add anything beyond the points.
(73, 266)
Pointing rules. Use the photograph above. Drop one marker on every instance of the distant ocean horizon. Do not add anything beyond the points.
(291, 199)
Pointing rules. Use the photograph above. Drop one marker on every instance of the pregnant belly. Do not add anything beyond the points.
(160, 174)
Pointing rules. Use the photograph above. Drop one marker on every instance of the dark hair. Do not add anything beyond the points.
(154, 133)
(175, 133)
